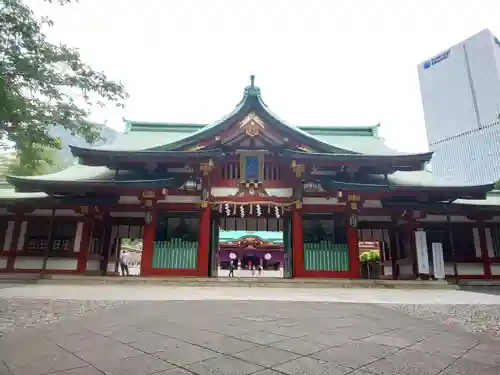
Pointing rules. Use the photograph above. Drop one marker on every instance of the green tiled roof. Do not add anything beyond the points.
(149, 136)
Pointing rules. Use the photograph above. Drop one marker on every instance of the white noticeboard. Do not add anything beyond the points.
(422, 255)
(437, 256)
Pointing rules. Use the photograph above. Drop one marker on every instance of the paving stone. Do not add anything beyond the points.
(409, 362)
(124, 334)
(344, 357)
(389, 341)
(484, 357)
(207, 335)
(155, 343)
(300, 346)
(174, 371)
(329, 339)
(466, 367)
(412, 334)
(84, 341)
(312, 366)
(139, 365)
(4, 369)
(439, 347)
(266, 356)
(86, 370)
(262, 338)
(44, 364)
(371, 349)
(458, 339)
(18, 349)
(223, 366)
(184, 353)
(99, 354)
(355, 353)
(226, 345)
(490, 346)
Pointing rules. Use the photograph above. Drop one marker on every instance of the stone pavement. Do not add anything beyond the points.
(261, 337)
(172, 292)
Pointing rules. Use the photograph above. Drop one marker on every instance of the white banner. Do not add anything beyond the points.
(438, 261)
(422, 254)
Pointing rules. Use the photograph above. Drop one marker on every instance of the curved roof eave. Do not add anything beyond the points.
(83, 151)
(423, 157)
(37, 185)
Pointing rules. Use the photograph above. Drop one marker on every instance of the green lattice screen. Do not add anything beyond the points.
(326, 256)
(175, 253)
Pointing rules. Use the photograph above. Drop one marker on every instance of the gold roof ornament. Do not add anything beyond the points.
(252, 124)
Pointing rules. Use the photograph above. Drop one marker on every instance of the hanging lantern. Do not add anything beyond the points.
(227, 209)
(190, 185)
(242, 211)
(258, 210)
(277, 212)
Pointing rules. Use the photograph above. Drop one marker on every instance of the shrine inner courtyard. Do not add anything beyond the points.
(145, 330)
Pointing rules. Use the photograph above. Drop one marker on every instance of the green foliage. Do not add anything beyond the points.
(131, 242)
(370, 256)
(497, 185)
(42, 84)
(47, 162)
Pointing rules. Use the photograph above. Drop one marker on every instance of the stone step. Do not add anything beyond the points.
(248, 282)
(479, 283)
(19, 278)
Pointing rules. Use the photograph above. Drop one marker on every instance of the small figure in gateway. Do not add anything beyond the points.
(231, 269)
(123, 262)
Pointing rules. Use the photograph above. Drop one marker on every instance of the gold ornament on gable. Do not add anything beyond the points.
(252, 124)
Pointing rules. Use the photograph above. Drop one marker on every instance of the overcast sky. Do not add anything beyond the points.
(318, 62)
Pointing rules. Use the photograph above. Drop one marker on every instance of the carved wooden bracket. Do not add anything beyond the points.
(207, 167)
(299, 169)
(251, 189)
(353, 201)
(89, 212)
(148, 198)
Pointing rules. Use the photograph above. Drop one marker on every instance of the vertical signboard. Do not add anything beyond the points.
(422, 255)
(438, 260)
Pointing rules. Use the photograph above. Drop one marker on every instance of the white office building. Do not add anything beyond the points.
(460, 90)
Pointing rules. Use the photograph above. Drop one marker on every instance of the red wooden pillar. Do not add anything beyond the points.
(353, 249)
(204, 242)
(148, 243)
(83, 255)
(297, 243)
(485, 257)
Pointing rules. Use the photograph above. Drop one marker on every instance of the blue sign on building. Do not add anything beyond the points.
(436, 59)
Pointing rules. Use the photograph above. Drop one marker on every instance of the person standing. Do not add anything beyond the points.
(123, 262)
(231, 268)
